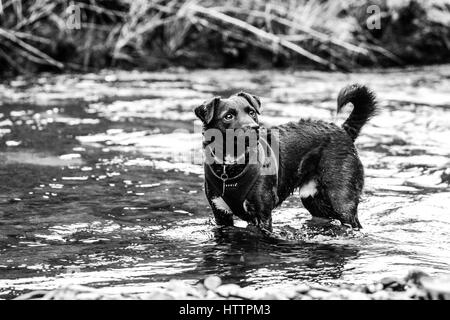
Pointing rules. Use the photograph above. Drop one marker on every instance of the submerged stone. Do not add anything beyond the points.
(212, 282)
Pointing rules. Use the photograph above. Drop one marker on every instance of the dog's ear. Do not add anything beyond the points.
(205, 112)
(252, 99)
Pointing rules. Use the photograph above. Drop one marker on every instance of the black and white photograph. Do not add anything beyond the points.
(231, 151)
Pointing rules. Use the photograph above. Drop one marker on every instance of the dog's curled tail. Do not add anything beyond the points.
(364, 107)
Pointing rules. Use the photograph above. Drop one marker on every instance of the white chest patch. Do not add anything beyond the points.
(309, 189)
(229, 159)
(220, 204)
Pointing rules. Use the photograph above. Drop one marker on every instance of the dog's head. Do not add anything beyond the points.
(240, 111)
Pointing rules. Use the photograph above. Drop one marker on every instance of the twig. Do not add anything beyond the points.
(33, 37)
(295, 37)
(35, 16)
(386, 53)
(262, 34)
(231, 34)
(11, 61)
(101, 10)
(31, 49)
(313, 33)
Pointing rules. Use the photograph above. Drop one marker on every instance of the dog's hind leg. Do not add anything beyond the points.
(346, 210)
(342, 189)
(322, 207)
(308, 169)
(318, 206)
(333, 193)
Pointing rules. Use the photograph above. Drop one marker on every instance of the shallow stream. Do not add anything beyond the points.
(100, 182)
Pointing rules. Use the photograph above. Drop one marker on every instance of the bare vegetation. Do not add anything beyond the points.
(40, 35)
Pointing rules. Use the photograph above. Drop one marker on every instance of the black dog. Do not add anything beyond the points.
(317, 157)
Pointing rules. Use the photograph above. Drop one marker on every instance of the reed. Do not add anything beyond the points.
(39, 35)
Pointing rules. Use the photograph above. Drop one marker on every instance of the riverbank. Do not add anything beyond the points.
(415, 286)
(54, 36)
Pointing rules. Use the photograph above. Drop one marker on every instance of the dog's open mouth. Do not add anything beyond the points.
(238, 147)
(243, 140)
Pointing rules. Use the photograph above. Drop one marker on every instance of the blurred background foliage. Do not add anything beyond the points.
(85, 35)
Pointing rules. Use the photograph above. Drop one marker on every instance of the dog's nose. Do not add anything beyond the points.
(251, 125)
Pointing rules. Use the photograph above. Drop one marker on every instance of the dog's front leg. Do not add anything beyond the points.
(259, 210)
(223, 216)
(222, 212)
(264, 220)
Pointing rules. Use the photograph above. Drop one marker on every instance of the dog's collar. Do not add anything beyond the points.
(234, 190)
(261, 158)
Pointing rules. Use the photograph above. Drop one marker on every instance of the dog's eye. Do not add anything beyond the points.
(252, 113)
(228, 117)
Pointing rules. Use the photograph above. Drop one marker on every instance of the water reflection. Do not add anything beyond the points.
(268, 260)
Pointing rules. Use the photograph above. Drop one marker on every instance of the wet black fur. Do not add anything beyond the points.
(308, 150)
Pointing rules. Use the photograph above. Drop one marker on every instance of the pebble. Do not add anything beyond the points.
(417, 285)
(247, 293)
(316, 286)
(227, 290)
(211, 295)
(387, 281)
(159, 295)
(273, 296)
(357, 296)
(302, 288)
(380, 295)
(176, 285)
(200, 288)
(88, 296)
(290, 293)
(317, 294)
(437, 289)
(212, 282)
(393, 284)
(374, 287)
(416, 277)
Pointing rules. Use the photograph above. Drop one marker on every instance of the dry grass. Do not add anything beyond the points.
(35, 35)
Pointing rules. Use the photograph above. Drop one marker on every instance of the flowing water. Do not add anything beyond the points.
(101, 184)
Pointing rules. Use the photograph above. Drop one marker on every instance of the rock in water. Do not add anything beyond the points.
(227, 290)
(416, 277)
(393, 284)
(212, 282)
(438, 289)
